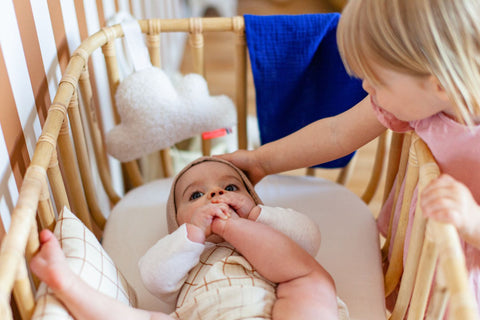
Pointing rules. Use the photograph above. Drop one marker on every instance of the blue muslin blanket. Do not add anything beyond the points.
(298, 74)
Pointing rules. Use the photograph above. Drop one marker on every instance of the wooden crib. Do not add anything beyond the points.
(54, 181)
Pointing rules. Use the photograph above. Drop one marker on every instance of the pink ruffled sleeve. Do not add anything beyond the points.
(390, 121)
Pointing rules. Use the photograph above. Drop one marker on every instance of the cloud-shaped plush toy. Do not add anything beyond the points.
(155, 113)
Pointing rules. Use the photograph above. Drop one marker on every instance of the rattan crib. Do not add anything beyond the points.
(72, 185)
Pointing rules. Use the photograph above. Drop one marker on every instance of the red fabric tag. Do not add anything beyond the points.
(216, 133)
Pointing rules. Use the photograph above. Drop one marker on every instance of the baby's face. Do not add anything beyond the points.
(204, 182)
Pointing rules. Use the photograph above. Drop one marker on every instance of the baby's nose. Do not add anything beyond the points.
(216, 193)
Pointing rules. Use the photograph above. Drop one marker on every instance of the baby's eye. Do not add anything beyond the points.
(195, 195)
(231, 187)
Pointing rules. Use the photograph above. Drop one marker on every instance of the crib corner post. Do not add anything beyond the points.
(241, 80)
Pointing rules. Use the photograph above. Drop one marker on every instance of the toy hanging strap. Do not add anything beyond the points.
(135, 45)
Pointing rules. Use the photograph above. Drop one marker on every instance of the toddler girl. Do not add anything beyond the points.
(418, 60)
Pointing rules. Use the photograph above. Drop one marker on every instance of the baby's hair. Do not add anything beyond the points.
(420, 38)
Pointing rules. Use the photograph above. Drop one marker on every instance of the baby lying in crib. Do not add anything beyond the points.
(226, 260)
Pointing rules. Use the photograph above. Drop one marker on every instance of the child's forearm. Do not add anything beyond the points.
(322, 141)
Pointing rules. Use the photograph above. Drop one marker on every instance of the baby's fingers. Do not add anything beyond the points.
(222, 211)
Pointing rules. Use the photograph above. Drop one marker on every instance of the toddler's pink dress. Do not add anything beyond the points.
(456, 148)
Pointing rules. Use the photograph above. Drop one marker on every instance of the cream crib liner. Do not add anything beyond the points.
(349, 249)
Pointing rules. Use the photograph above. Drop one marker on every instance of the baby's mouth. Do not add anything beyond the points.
(231, 208)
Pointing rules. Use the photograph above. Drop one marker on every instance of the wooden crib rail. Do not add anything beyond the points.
(431, 244)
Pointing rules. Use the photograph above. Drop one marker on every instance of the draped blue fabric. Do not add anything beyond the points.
(298, 74)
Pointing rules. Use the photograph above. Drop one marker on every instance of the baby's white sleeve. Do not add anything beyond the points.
(298, 226)
(165, 266)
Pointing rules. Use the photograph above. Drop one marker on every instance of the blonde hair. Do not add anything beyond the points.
(420, 38)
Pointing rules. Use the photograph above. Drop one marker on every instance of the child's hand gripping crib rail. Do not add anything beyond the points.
(21, 241)
(434, 247)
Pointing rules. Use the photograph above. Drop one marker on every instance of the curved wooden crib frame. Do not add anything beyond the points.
(73, 187)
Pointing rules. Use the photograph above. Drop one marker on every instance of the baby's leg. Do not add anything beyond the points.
(311, 296)
(84, 302)
(305, 290)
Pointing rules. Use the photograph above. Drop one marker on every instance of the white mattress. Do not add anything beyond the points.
(349, 250)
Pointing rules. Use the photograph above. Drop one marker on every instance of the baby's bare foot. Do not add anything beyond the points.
(50, 265)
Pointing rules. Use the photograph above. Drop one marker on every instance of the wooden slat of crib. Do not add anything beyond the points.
(238, 27)
(111, 63)
(452, 262)
(424, 277)
(197, 44)
(153, 45)
(46, 216)
(345, 173)
(83, 161)
(429, 254)
(96, 137)
(439, 299)
(108, 50)
(394, 156)
(33, 243)
(23, 293)
(372, 185)
(56, 183)
(395, 268)
(421, 255)
(72, 177)
(400, 176)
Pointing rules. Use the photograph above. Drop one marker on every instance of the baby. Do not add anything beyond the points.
(227, 260)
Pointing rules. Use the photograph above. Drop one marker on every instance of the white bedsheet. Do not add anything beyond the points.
(349, 249)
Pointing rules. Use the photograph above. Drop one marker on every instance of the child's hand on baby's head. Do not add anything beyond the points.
(246, 161)
(449, 201)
